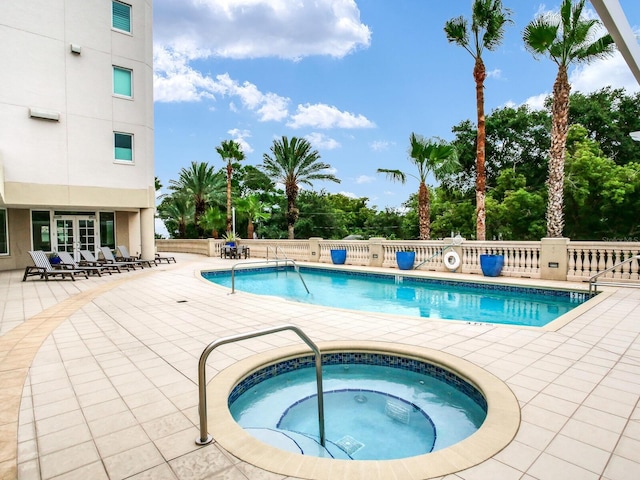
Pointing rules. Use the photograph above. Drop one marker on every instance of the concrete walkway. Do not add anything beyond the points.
(99, 377)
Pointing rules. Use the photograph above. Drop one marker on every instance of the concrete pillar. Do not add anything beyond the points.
(376, 252)
(553, 258)
(314, 249)
(147, 233)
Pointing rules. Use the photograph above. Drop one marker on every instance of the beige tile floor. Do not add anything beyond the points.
(99, 377)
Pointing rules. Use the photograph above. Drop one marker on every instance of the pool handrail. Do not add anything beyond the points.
(205, 438)
(593, 281)
(266, 262)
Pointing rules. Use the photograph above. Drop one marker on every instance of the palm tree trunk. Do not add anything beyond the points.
(479, 74)
(291, 190)
(424, 212)
(559, 129)
(229, 172)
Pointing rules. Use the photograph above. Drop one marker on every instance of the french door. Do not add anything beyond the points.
(75, 233)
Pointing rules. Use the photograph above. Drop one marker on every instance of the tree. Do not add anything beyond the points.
(201, 184)
(230, 151)
(175, 211)
(430, 156)
(488, 19)
(254, 209)
(565, 38)
(293, 163)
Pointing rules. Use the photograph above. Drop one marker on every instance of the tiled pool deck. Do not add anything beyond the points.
(98, 377)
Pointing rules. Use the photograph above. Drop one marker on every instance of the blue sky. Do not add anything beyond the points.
(353, 77)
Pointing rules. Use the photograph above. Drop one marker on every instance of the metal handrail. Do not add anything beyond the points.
(275, 251)
(593, 284)
(265, 262)
(205, 438)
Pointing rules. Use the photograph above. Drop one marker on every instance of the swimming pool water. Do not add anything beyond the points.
(397, 294)
(371, 412)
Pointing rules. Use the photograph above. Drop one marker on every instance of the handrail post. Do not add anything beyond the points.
(286, 260)
(205, 438)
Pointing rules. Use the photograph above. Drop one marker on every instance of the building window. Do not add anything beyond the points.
(122, 81)
(4, 233)
(107, 230)
(41, 230)
(123, 147)
(121, 16)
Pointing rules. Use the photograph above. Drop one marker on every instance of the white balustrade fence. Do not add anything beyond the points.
(521, 259)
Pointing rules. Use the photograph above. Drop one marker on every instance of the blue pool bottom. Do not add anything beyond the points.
(406, 295)
(377, 406)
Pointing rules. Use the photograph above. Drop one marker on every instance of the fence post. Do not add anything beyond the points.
(314, 249)
(554, 258)
(376, 252)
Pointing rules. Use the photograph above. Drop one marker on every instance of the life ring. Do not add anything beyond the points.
(451, 260)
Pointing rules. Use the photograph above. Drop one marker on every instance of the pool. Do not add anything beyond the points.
(376, 406)
(498, 429)
(406, 295)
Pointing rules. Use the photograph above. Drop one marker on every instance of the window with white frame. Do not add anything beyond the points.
(123, 147)
(4, 232)
(121, 16)
(122, 81)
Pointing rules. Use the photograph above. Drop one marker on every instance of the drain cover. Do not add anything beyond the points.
(349, 445)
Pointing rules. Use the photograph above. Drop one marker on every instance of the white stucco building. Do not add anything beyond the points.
(76, 127)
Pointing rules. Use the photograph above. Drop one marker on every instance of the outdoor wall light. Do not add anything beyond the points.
(44, 114)
(77, 49)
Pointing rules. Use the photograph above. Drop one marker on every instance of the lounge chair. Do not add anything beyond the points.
(68, 261)
(43, 268)
(89, 260)
(109, 258)
(126, 257)
(167, 259)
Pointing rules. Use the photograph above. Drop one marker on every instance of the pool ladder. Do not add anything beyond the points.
(204, 437)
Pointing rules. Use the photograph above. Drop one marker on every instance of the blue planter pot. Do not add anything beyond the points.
(54, 260)
(338, 256)
(405, 260)
(491, 265)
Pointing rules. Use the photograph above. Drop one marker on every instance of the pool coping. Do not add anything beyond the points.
(497, 431)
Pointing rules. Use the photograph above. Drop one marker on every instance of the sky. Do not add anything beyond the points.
(355, 78)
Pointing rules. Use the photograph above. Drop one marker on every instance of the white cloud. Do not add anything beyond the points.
(319, 140)
(326, 116)
(240, 136)
(379, 145)
(612, 71)
(495, 73)
(349, 194)
(176, 81)
(365, 179)
(261, 28)
(537, 101)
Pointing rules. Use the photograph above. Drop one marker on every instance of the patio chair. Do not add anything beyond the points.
(126, 257)
(167, 259)
(88, 259)
(107, 254)
(69, 262)
(227, 251)
(43, 268)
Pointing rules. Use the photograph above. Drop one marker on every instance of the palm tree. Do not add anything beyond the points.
(293, 163)
(201, 184)
(213, 221)
(254, 209)
(175, 211)
(230, 151)
(565, 37)
(430, 156)
(488, 19)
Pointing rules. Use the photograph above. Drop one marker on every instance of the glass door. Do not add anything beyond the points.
(75, 233)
